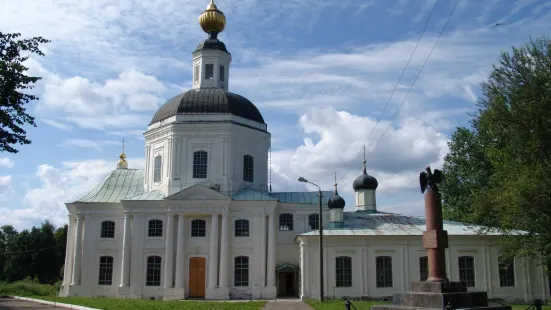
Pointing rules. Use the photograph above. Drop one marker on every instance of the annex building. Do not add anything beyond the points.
(201, 221)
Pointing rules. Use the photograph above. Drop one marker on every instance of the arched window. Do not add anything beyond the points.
(107, 229)
(153, 277)
(383, 265)
(155, 228)
(285, 221)
(241, 275)
(200, 165)
(242, 228)
(198, 228)
(105, 270)
(314, 221)
(423, 268)
(466, 270)
(248, 168)
(157, 168)
(343, 271)
(506, 273)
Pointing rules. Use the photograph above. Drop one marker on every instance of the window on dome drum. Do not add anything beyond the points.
(314, 221)
(198, 228)
(153, 277)
(105, 270)
(248, 168)
(107, 229)
(383, 265)
(506, 274)
(222, 73)
(242, 228)
(343, 271)
(157, 167)
(196, 73)
(200, 165)
(209, 71)
(466, 270)
(155, 228)
(241, 275)
(423, 268)
(285, 222)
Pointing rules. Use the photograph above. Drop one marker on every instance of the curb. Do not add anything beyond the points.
(52, 303)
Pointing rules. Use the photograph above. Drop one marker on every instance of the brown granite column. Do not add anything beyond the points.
(435, 238)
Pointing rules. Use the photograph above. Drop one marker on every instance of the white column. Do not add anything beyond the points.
(224, 260)
(180, 252)
(264, 246)
(125, 274)
(213, 253)
(169, 252)
(78, 251)
(67, 267)
(271, 251)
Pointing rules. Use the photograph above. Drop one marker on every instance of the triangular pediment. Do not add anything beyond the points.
(198, 192)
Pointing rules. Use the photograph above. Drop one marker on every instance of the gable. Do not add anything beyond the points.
(197, 192)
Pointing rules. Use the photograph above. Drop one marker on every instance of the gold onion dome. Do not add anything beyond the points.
(212, 20)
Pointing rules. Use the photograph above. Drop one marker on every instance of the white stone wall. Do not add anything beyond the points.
(530, 281)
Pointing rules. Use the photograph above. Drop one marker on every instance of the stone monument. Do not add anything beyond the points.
(437, 292)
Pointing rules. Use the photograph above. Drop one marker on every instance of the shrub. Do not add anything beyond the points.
(27, 287)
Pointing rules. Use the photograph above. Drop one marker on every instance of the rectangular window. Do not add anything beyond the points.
(242, 228)
(153, 277)
(105, 270)
(155, 228)
(209, 71)
(423, 268)
(343, 271)
(107, 229)
(506, 274)
(196, 74)
(384, 271)
(222, 73)
(285, 222)
(157, 167)
(466, 270)
(248, 168)
(198, 228)
(241, 275)
(313, 221)
(200, 159)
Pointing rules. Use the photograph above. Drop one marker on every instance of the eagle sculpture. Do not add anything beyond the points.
(428, 179)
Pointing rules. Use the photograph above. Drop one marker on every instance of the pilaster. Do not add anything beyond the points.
(77, 260)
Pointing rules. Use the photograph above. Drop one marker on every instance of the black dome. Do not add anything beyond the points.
(209, 101)
(336, 202)
(365, 181)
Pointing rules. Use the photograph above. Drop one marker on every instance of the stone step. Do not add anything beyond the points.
(439, 300)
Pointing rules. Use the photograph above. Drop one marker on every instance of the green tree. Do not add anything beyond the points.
(499, 170)
(14, 84)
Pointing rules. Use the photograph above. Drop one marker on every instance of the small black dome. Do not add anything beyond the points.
(365, 181)
(336, 202)
(209, 101)
(212, 44)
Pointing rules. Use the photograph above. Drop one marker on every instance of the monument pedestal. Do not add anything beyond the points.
(439, 295)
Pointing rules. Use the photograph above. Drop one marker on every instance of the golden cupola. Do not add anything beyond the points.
(212, 20)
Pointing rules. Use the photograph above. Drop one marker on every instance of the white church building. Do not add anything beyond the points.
(201, 221)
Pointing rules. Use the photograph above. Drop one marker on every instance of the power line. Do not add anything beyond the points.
(397, 82)
(30, 251)
(416, 78)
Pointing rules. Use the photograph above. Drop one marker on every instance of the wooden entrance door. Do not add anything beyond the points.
(197, 277)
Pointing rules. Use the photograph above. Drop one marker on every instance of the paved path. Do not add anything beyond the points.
(14, 304)
(286, 304)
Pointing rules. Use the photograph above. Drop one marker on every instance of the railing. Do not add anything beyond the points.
(536, 305)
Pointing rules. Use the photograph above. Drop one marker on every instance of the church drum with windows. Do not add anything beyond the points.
(201, 221)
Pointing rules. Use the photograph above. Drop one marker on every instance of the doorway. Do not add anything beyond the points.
(197, 277)
(287, 279)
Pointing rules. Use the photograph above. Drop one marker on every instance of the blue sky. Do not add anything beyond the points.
(320, 71)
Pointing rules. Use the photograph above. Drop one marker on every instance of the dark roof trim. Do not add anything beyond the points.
(217, 122)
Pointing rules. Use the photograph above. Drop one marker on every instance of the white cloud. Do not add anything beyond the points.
(89, 144)
(57, 124)
(5, 185)
(59, 185)
(6, 162)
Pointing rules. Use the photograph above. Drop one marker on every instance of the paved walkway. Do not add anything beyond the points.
(14, 304)
(287, 304)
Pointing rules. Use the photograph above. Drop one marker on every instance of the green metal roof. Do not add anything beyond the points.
(120, 184)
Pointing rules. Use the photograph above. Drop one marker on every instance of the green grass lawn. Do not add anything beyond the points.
(120, 304)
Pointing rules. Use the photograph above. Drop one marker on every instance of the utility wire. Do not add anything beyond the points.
(397, 83)
(30, 251)
(416, 78)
